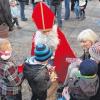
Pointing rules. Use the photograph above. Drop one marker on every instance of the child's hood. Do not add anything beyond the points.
(89, 85)
(30, 61)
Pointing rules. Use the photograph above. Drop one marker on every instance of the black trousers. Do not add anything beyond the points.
(82, 12)
(15, 21)
(72, 5)
(41, 96)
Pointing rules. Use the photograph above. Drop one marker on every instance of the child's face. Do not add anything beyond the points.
(5, 55)
(12, 4)
(86, 44)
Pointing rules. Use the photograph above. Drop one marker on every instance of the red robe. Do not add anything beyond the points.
(63, 50)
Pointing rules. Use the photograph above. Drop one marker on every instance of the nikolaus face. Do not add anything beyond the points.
(86, 44)
(49, 38)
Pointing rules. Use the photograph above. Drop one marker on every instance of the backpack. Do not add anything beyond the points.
(80, 90)
(37, 76)
(55, 2)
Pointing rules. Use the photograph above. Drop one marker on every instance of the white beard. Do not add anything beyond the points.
(50, 39)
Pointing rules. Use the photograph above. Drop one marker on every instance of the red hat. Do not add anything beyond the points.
(43, 17)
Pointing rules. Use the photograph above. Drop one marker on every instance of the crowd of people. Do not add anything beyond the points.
(12, 13)
(78, 76)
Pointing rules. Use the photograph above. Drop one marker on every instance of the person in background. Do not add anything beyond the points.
(87, 38)
(67, 9)
(82, 5)
(56, 7)
(17, 3)
(22, 8)
(77, 9)
(95, 55)
(14, 12)
(72, 5)
(32, 1)
(4, 31)
(10, 80)
(5, 14)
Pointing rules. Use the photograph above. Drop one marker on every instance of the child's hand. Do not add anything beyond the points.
(65, 93)
(60, 89)
(53, 76)
(51, 68)
(52, 73)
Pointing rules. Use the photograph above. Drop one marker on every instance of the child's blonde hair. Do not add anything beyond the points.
(5, 45)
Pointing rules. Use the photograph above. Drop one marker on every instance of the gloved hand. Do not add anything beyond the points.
(60, 89)
(59, 92)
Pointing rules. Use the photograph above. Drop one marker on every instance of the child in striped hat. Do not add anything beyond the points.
(36, 72)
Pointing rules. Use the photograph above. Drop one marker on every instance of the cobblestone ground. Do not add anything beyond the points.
(21, 39)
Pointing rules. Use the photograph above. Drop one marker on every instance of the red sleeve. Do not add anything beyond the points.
(64, 50)
(33, 45)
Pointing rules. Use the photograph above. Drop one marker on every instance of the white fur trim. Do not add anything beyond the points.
(50, 39)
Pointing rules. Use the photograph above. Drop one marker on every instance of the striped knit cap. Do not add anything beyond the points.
(95, 51)
(42, 52)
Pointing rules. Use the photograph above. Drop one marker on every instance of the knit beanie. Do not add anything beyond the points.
(88, 67)
(42, 52)
(95, 51)
(88, 34)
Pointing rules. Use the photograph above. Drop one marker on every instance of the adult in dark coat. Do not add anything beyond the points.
(5, 14)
